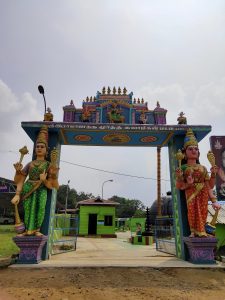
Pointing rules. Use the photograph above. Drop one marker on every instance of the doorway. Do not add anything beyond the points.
(92, 224)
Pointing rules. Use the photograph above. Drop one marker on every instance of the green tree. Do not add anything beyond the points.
(127, 208)
(83, 196)
(73, 196)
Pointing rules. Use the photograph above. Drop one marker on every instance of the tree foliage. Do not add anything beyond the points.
(72, 196)
(128, 208)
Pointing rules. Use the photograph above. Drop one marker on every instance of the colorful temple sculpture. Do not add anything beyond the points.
(33, 183)
(114, 107)
(194, 179)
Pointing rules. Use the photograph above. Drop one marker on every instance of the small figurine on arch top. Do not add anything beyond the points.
(48, 117)
(182, 119)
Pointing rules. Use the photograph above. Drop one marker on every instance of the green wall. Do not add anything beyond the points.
(220, 234)
(101, 212)
(134, 221)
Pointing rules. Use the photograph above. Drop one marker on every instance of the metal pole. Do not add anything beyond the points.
(110, 180)
(67, 191)
(159, 181)
(44, 102)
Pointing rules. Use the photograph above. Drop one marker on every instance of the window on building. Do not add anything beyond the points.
(108, 220)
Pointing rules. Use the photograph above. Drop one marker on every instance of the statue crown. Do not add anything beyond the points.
(43, 136)
(190, 139)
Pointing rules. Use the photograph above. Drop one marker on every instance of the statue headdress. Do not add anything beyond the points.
(190, 139)
(43, 136)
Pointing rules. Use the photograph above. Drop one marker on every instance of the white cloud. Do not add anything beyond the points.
(209, 101)
(13, 110)
(171, 97)
(8, 100)
(203, 104)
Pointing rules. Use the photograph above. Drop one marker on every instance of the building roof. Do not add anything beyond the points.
(7, 185)
(7, 192)
(97, 201)
(69, 210)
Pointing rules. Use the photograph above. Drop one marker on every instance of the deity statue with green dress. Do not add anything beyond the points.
(42, 175)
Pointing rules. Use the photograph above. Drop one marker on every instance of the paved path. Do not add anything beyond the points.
(114, 252)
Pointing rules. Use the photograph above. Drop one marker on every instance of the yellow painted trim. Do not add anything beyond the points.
(167, 139)
(63, 136)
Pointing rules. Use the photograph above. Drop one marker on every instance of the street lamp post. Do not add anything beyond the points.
(42, 91)
(110, 180)
(67, 192)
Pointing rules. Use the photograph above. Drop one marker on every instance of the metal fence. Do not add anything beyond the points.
(164, 235)
(64, 231)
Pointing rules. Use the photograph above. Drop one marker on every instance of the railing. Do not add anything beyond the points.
(64, 231)
(164, 235)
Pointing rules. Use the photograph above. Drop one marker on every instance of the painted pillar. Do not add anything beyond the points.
(179, 202)
(159, 210)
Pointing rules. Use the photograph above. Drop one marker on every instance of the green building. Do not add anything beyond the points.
(97, 217)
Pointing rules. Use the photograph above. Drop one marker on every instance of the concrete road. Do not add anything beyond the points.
(115, 252)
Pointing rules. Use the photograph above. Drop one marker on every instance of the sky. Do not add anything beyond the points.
(166, 51)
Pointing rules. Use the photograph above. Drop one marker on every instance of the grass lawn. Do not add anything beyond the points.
(7, 246)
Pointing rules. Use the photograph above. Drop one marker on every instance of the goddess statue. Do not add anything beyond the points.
(42, 175)
(142, 118)
(193, 178)
(85, 117)
(114, 115)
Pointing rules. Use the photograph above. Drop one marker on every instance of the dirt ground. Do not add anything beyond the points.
(112, 283)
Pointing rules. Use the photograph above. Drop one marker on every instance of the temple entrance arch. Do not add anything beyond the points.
(115, 118)
(128, 135)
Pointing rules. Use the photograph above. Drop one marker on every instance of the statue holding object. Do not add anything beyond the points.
(193, 178)
(86, 114)
(142, 118)
(42, 175)
(114, 115)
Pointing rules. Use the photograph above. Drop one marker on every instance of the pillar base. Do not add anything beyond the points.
(30, 248)
(201, 250)
(141, 240)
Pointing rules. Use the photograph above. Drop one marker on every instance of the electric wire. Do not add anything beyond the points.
(100, 170)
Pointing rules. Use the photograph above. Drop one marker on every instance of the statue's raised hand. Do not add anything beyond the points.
(179, 173)
(43, 176)
(190, 179)
(53, 170)
(214, 169)
(15, 200)
(18, 166)
(216, 206)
